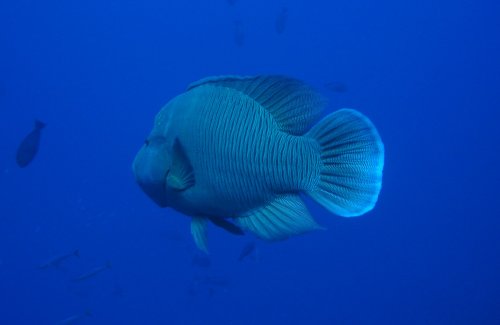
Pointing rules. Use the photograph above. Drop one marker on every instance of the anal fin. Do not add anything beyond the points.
(199, 232)
(285, 216)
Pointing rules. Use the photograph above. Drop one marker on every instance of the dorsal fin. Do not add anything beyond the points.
(181, 176)
(294, 105)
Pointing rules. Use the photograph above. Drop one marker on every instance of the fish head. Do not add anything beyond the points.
(151, 167)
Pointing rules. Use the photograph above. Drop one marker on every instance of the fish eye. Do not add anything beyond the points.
(146, 142)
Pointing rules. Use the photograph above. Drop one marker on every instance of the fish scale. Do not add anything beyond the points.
(228, 148)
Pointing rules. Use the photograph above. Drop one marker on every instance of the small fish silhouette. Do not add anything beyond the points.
(75, 318)
(281, 19)
(336, 87)
(239, 34)
(247, 250)
(29, 146)
(57, 260)
(92, 273)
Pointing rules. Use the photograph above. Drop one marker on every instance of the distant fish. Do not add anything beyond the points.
(239, 34)
(247, 250)
(29, 146)
(212, 280)
(57, 260)
(336, 87)
(201, 261)
(281, 20)
(74, 319)
(208, 284)
(231, 2)
(92, 273)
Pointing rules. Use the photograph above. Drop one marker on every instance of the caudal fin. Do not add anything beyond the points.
(352, 154)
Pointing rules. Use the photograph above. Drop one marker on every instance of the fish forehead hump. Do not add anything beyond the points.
(228, 138)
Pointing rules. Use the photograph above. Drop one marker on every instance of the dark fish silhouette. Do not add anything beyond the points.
(281, 20)
(239, 34)
(75, 318)
(29, 146)
(247, 250)
(212, 280)
(336, 87)
(57, 260)
(208, 284)
(231, 2)
(92, 273)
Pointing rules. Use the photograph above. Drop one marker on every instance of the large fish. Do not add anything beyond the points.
(28, 148)
(239, 151)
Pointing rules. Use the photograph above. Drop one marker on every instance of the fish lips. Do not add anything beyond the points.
(150, 180)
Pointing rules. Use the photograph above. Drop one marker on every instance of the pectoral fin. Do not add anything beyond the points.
(181, 175)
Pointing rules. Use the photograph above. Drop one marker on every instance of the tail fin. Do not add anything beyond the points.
(352, 154)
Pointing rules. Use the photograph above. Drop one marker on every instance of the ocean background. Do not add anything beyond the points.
(427, 73)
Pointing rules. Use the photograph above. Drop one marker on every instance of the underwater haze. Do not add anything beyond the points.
(81, 83)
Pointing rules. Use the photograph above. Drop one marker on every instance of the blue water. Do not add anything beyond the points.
(427, 73)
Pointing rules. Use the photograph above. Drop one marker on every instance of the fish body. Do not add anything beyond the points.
(336, 87)
(242, 149)
(74, 319)
(246, 251)
(213, 280)
(92, 273)
(28, 148)
(239, 34)
(281, 19)
(57, 260)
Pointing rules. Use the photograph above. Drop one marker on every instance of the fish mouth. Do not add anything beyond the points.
(161, 198)
(155, 191)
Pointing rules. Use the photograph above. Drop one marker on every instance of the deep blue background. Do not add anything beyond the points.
(426, 72)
